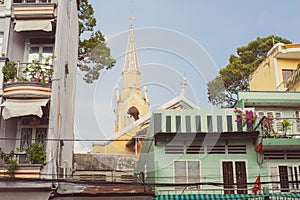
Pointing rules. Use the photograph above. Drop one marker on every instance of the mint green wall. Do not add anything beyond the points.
(210, 166)
(160, 166)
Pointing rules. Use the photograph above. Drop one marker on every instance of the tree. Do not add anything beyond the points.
(93, 54)
(234, 77)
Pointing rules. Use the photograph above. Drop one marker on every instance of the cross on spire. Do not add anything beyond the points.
(131, 17)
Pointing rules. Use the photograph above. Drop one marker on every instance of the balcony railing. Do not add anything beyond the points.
(25, 169)
(32, 1)
(280, 127)
(30, 80)
(26, 9)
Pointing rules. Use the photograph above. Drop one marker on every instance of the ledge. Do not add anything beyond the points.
(26, 90)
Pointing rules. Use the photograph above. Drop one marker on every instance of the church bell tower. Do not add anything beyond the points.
(131, 102)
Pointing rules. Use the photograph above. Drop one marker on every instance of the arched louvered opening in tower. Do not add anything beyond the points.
(134, 113)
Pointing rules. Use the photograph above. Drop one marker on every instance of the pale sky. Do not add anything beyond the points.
(174, 39)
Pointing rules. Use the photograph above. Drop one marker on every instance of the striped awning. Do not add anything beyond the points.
(226, 196)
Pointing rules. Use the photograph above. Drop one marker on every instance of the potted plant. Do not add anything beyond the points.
(40, 72)
(9, 71)
(285, 125)
(36, 153)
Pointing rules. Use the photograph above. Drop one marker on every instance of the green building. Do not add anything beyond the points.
(244, 153)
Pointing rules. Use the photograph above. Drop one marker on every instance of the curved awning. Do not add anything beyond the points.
(23, 107)
(33, 25)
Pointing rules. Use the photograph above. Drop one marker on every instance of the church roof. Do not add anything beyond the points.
(131, 59)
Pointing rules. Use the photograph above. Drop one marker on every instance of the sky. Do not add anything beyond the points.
(174, 39)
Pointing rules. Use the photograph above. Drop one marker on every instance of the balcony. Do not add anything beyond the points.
(25, 168)
(33, 9)
(27, 80)
(281, 134)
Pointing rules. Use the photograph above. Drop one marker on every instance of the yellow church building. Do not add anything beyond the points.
(132, 115)
(279, 71)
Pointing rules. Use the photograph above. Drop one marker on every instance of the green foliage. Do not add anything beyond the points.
(12, 165)
(41, 72)
(93, 54)
(216, 91)
(9, 70)
(285, 125)
(36, 153)
(87, 20)
(235, 76)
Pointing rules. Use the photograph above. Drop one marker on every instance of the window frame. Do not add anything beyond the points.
(187, 175)
(33, 133)
(276, 177)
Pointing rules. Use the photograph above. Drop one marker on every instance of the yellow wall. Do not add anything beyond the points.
(119, 147)
(264, 78)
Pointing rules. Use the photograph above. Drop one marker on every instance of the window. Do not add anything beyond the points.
(286, 73)
(178, 124)
(237, 170)
(229, 123)
(1, 41)
(40, 49)
(219, 124)
(288, 177)
(33, 134)
(168, 124)
(32, 129)
(283, 177)
(188, 123)
(198, 123)
(209, 124)
(187, 172)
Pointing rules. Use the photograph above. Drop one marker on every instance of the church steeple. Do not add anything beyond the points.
(131, 72)
(131, 59)
(132, 103)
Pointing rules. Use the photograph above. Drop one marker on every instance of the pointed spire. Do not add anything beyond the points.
(131, 60)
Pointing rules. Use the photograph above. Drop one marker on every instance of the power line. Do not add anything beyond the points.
(113, 140)
(96, 182)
